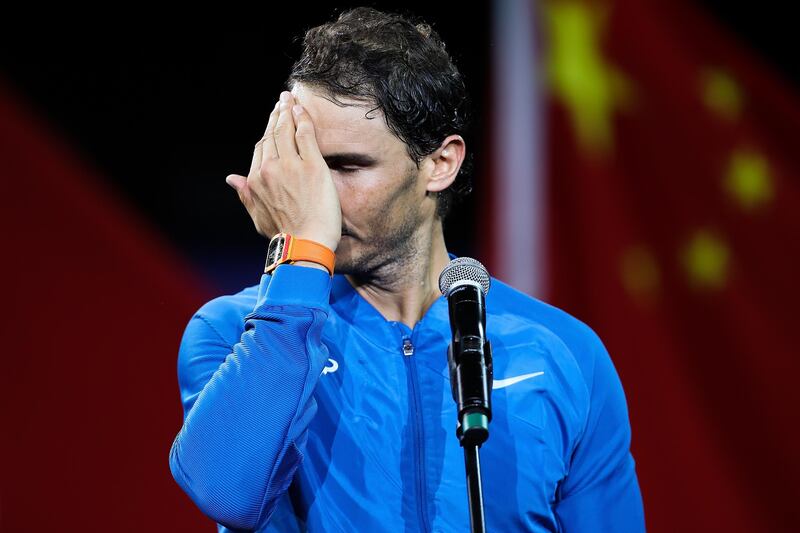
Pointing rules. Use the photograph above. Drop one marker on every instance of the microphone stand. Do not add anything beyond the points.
(471, 382)
(472, 462)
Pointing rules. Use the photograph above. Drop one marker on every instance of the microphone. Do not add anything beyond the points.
(465, 282)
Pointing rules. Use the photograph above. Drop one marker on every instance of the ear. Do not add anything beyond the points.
(445, 163)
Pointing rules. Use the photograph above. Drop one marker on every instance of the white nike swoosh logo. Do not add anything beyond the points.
(501, 383)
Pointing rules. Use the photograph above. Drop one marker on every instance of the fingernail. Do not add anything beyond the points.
(297, 109)
(284, 96)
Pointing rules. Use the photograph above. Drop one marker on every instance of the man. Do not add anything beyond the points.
(322, 401)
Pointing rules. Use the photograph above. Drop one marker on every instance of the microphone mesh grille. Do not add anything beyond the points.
(463, 269)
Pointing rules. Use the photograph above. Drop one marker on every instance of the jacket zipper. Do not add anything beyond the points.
(411, 364)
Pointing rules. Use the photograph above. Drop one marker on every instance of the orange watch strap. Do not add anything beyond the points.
(305, 250)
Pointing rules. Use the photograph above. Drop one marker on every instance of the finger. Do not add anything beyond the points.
(266, 149)
(236, 181)
(284, 128)
(305, 135)
(239, 184)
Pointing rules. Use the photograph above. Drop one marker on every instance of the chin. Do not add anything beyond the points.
(344, 256)
(349, 260)
(355, 258)
(346, 265)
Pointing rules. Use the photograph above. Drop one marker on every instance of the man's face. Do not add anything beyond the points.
(382, 193)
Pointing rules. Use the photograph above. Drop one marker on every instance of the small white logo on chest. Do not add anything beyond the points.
(329, 369)
(501, 383)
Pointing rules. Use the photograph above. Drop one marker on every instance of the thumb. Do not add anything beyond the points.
(236, 181)
(239, 184)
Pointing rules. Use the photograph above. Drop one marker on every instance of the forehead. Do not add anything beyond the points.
(347, 129)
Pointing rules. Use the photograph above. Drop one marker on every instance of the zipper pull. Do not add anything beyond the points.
(408, 348)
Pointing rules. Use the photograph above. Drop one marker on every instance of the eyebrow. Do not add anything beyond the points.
(346, 159)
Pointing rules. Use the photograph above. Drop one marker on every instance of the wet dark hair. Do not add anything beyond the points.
(400, 65)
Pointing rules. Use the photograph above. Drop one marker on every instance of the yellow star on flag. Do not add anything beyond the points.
(579, 75)
(706, 260)
(748, 180)
(721, 93)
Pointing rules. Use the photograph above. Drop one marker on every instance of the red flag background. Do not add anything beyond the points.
(94, 305)
(673, 231)
(668, 206)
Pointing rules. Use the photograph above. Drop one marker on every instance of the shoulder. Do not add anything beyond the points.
(507, 303)
(583, 375)
(517, 311)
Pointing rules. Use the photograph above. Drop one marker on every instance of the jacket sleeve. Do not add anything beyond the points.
(247, 406)
(601, 490)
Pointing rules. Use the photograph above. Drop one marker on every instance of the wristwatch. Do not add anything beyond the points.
(284, 248)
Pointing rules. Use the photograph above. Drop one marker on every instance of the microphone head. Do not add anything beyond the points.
(463, 270)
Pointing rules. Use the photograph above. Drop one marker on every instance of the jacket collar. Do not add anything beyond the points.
(358, 313)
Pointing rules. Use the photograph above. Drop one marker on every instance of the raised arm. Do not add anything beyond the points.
(245, 424)
(247, 403)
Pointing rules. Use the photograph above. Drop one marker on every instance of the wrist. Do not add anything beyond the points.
(311, 264)
(329, 242)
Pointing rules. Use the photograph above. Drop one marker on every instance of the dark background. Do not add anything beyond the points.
(166, 111)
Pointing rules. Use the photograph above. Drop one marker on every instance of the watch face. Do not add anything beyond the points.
(277, 247)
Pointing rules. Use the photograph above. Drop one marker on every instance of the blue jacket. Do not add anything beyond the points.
(305, 409)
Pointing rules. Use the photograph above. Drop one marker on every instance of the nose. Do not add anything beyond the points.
(340, 192)
(338, 182)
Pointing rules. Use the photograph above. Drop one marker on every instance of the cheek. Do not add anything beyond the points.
(357, 201)
(372, 200)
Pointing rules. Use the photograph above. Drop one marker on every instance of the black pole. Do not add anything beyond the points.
(473, 424)
(472, 462)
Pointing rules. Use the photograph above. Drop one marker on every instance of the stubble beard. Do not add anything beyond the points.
(386, 251)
